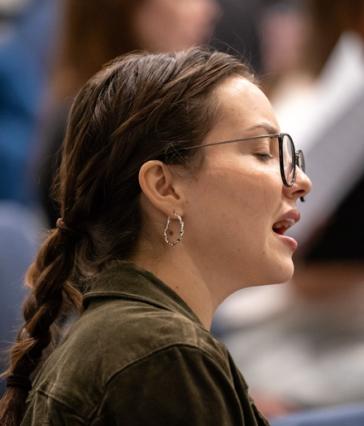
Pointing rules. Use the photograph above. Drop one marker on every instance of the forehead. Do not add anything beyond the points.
(242, 105)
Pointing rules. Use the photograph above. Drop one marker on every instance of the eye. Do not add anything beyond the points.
(263, 156)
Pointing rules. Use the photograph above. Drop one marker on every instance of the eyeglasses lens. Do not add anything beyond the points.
(301, 161)
(288, 159)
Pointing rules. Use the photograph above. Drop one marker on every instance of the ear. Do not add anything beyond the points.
(161, 187)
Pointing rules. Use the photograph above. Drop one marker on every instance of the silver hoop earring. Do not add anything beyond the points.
(181, 231)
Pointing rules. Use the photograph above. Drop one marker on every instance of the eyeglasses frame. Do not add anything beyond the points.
(297, 161)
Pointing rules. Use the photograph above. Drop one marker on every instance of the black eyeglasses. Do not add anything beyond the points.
(289, 158)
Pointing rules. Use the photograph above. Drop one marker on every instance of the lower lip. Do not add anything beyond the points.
(291, 242)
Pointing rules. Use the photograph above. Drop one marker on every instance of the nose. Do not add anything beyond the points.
(301, 187)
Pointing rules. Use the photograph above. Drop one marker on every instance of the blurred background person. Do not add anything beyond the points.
(91, 35)
(238, 30)
(26, 28)
(309, 337)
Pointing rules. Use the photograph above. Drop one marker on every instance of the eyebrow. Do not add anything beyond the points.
(271, 130)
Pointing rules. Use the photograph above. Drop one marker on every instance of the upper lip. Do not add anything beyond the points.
(288, 219)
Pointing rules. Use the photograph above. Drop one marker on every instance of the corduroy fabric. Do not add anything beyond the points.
(139, 356)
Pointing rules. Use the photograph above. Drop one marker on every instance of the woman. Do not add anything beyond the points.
(159, 224)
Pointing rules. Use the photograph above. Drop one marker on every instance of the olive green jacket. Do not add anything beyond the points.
(139, 356)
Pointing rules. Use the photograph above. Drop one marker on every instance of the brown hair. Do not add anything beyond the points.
(139, 107)
(90, 36)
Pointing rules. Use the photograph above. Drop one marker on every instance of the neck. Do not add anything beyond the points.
(177, 270)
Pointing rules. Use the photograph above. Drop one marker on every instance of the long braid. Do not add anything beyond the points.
(52, 294)
(51, 291)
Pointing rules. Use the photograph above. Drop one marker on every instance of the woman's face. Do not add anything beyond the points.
(170, 25)
(237, 196)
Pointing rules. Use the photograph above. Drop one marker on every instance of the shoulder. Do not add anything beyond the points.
(114, 341)
(181, 384)
(178, 385)
(139, 367)
(123, 332)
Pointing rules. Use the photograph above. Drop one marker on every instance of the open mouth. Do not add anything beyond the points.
(282, 226)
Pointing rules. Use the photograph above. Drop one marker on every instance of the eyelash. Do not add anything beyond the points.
(263, 156)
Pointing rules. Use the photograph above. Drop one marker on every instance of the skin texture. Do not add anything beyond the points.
(229, 207)
(165, 25)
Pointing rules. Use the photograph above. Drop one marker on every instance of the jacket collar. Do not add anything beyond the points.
(124, 280)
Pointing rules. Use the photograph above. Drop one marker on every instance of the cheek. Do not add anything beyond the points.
(233, 199)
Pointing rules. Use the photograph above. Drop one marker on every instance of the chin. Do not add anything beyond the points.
(278, 272)
(284, 272)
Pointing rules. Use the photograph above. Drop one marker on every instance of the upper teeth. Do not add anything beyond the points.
(286, 223)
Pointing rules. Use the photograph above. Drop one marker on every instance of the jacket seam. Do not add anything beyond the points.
(145, 357)
(69, 408)
(156, 351)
